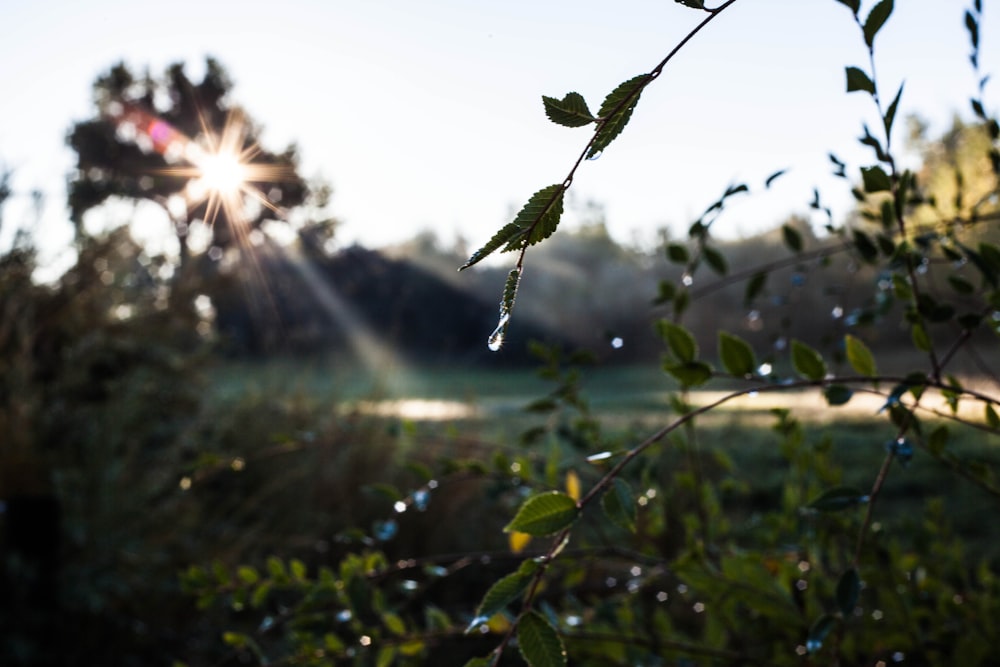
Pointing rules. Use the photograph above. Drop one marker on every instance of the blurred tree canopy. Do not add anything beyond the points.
(139, 146)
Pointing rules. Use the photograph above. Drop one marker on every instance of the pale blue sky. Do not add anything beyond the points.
(428, 114)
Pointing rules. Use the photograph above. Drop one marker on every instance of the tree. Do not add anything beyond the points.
(186, 147)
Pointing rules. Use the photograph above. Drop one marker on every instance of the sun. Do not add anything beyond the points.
(223, 173)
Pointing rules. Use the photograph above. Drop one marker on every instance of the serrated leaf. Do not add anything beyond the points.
(876, 19)
(619, 504)
(875, 179)
(504, 591)
(837, 498)
(837, 394)
(544, 514)
(736, 355)
(857, 79)
(807, 362)
(680, 341)
(570, 111)
(848, 590)
(615, 112)
(792, 238)
(691, 374)
(859, 356)
(535, 221)
(539, 642)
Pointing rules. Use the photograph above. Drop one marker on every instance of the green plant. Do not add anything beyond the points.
(689, 561)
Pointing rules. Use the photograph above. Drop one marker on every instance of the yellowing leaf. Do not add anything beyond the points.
(573, 485)
(518, 541)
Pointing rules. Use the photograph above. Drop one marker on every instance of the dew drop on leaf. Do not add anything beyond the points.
(687, 279)
(595, 156)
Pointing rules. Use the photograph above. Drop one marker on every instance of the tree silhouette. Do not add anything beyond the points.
(157, 140)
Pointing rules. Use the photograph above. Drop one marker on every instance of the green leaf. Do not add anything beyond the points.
(865, 246)
(773, 177)
(385, 656)
(876, 19)
(992, 419)
(570, 111)
(961, 285)
(818, 632)
(536, 221)
(480, 662)
(848, 590)
(619, 505)
(677, 253)
(755, 286)
(247, 574)
(615, 112)
(502, 593)
(859, 356)
(838, 498)
(694, 4)
(394, 623)
(807, 362)
(716, 260)
(691, 374)
(890, 113)
(853, 5)
(496, 338)
(539, 643)
(920, 338)
(736, 355)
(679, 340)
(875, 179)
(837, 394)
(792, 238)
(544, 514)
(858, 80)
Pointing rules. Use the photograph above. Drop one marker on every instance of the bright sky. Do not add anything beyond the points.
(428, 114)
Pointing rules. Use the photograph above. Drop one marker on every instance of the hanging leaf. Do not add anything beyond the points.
(680, 341)
(570, 111)
(754, 287)
(792, 238)
(853, 5)
(716, 260)
(615, 112)
(496, 339)
(848, 590)
(536, 221)
(544, 514)
(736, 355)
(859, 356)
(857, 79)
(504, 591)
(807, 362)
(539, 643)
(876, 19)
(619, 505)
(992, 419)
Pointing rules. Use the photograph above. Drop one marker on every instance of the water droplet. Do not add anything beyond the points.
(595, 155)
(682, 588)
(898, 656)
(495, 341)
(386, 530)
(344, 615)
(636, 571)
(754, 321)
(633, 586)
(617, 342)
(611, 582)
(801, 584)
(662, 596)
(399, 506)
(420, 499)
(476, 622)
(780, 343)
(813, 645)
(698, 607)
(753, 394)
(433, 484)
(877, 615)
(266, 624)
(409, 585)
(764, 369)
(837, 312)
(573, 620)
(601, 456)
(687, 279)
